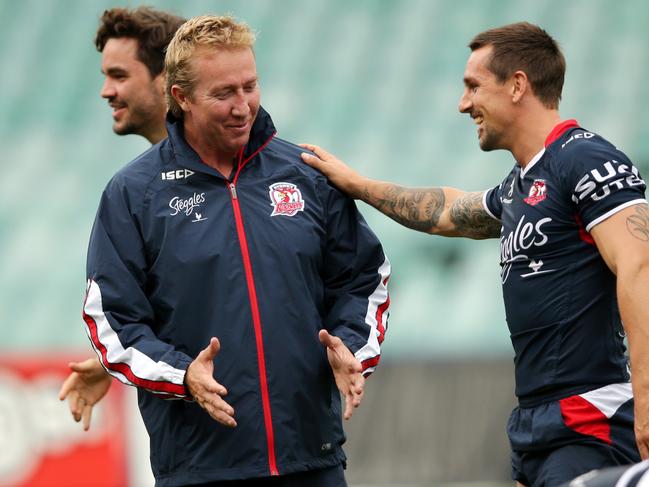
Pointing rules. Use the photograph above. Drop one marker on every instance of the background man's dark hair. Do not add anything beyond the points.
(528, 48)
(153, 29)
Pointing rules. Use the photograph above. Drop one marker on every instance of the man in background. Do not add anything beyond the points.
(573, 225)
(133, 44)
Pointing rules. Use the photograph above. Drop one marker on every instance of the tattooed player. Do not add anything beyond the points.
(573, 225)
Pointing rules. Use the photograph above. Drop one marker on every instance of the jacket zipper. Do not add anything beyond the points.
(256, 319)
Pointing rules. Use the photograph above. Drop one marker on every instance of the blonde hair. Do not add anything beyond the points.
(203, 31)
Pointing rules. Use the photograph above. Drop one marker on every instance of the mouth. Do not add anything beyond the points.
(118, 109)
(239, 127)
(478, 120)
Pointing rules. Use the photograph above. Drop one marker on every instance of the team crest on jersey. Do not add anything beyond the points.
(286, 199)
(538, 192)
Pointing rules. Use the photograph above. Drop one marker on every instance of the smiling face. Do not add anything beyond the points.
(136, 98)
(487, 101)
(224, 99)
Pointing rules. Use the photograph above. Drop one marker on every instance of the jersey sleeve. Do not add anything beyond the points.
(602, 180)
(116, 311)
(356, 273)
(492, 201)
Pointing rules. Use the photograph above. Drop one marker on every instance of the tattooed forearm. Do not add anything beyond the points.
(470, 218)
(638, 223)
(418, 209)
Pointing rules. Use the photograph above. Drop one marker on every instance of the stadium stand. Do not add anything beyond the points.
(375, 81)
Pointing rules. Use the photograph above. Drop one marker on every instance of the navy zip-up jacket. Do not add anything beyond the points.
(262, 260)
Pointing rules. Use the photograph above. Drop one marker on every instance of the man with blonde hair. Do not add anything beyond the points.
(222, 267)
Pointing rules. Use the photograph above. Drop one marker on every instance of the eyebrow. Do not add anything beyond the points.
(114, 71)
(230, 87)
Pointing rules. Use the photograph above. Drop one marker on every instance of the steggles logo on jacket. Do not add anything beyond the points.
(187, 205)
(285, 198)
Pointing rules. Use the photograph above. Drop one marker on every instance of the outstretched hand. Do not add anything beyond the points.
(84, 387)
(347, 371)
(340, 174)
(205, 390)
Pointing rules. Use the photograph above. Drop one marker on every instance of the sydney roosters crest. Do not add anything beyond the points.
(285, 198)
(538, 192)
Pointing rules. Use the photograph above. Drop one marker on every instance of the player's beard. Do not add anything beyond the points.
(489, 140)
(140, 116)
(131, 124)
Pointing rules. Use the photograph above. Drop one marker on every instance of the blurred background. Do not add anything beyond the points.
(377, 82)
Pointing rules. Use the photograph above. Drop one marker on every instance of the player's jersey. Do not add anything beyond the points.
(560, 297)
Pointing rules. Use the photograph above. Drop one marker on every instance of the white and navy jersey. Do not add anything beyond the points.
(560, 296)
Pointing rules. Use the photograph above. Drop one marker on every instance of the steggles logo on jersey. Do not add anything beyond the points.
(526, 235)
(187, 205)
(285, 198)
(538, 192)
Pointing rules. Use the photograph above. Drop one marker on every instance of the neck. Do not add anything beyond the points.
(210, 154)
(156, 134)
(531, 131)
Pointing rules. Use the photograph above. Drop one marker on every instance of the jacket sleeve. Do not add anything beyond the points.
(117, 313)
(356, 273)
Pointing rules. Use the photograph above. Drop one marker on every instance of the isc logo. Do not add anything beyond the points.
(177, 174)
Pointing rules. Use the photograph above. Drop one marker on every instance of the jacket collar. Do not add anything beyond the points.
(262, 131)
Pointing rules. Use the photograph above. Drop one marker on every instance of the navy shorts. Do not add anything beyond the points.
(557, 441)
(632, 476)
(325, 477)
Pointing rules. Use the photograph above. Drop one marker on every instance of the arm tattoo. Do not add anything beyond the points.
(418, 209)
(471, 219)
(638, 223)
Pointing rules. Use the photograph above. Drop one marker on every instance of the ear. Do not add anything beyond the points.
(181, 97)
(160, 82)
(520, 85)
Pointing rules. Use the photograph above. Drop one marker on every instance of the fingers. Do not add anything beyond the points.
(88, 365)
(326, 339)
(643, 448)
(312, 160)
(209, 353)
(85, 417)
(218, 409)
(349, 409)
(352, 401)
(67, 386)
(318, 151)
(73, 404)
(215, 388)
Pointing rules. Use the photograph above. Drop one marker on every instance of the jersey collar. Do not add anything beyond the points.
(560, 129)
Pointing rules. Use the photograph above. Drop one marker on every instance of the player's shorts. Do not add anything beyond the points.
(632, 476)
(324, 477)
(557, 441)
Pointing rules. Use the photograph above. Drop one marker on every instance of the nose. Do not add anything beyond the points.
(241, 107)
(465, 102)
(108, 89)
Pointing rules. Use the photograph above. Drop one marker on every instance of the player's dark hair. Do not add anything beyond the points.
(528, 48)
(153, 29)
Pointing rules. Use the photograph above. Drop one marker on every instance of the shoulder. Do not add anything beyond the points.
(580, 144)
(289, 153)
(138, 174)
